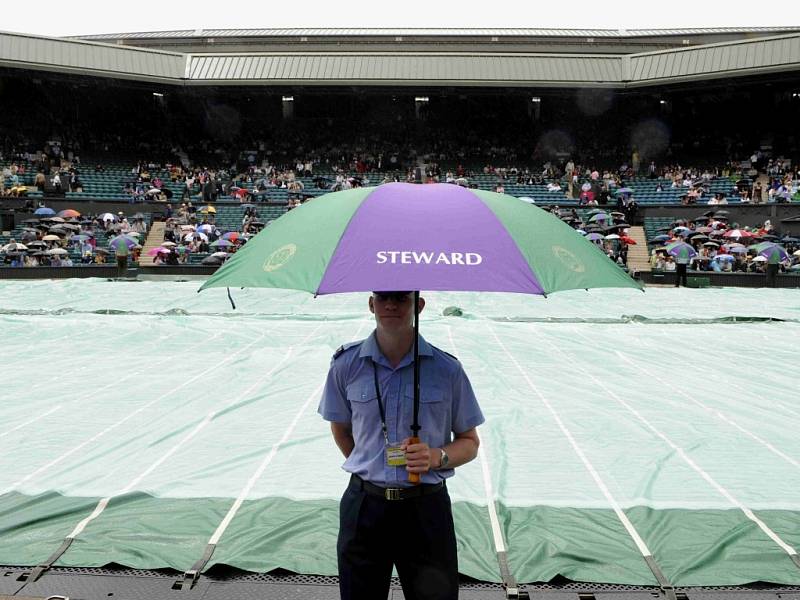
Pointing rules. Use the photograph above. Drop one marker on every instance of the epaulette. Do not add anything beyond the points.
(340, 350)
(450, 355)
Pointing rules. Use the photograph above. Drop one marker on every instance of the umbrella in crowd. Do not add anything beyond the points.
(681, 250)
(208, 209)
(108, 217)
(221, 244)
(56, 251)
(612, 236)
(737, 234)
(600, 217)
(724, 258)
(117, 243)
(419, 237)
(772, 252)
(44, 211)
(231, 236)
(13, 247)
(662, 238)
(212, 260)
(51, 238)
(760, 258)
(594, 237)
(68, 213)
(158, 250)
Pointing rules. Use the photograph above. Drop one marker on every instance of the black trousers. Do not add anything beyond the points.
(772, 275)
(416, 535)
(680, 275)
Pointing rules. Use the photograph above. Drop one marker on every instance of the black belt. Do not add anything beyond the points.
(388, 493)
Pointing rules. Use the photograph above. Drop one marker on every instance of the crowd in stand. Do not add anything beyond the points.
(64, 241)
(724, 247)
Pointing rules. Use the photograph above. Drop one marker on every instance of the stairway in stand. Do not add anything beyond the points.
(638, 257)
(154, 238)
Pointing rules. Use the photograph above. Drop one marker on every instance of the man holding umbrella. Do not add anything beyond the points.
(386, 520)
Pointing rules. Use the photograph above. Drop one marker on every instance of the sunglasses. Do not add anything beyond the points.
(393, 296)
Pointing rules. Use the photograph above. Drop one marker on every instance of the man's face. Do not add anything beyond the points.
(394, 311)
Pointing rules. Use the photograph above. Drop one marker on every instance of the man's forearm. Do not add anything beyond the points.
(459, 452)
(343, 436)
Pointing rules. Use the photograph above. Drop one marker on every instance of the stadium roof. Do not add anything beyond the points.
(742, 57)
(436, 32)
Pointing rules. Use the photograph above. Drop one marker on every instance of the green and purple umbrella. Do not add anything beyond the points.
(419, 237)
(401, 236)
(121, 243)
(772, 252)
(681, 250)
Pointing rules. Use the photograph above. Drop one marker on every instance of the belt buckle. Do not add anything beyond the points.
(392, 494)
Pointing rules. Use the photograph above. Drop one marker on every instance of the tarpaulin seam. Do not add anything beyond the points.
(725, 493)
(118, 423)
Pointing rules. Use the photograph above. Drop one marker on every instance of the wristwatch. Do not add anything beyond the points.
(445, 460)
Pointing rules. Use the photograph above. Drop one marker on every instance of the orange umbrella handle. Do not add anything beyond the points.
(414, 477)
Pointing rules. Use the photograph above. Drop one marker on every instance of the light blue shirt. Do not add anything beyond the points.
(447, 405)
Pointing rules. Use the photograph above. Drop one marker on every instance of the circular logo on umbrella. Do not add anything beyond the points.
(571, 261)
(280, 257)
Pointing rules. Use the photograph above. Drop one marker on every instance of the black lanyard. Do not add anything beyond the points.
(380, 403)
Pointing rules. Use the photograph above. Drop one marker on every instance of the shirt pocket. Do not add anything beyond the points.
(433, 410)
(364, 407)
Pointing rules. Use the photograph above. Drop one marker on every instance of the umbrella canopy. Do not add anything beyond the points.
(117, 242)
(70, 212)
(208, 209)
(681, 250)
(600, 217)
(221, 244)
(51, 238)
(661, 238)
(724, 258)
(54, 251)
(212, 260)
(760, 258)
(44, 211)
(108, 217)
(737, 234)
(772, 252)
(594, 236)
(158, 250)
(231, 236)
(612, 236)
(412, 237)
(13, 247)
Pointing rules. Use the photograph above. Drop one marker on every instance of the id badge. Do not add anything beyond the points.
(395, 456)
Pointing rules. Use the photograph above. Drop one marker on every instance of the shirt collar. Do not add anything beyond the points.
(370, 349)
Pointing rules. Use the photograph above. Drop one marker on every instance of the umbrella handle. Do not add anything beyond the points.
(414, 477)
